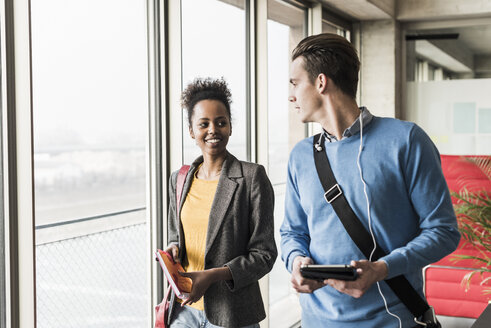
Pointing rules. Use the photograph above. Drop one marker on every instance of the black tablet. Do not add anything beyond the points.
(321, 272)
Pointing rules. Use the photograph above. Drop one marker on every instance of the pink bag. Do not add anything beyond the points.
(162, 310)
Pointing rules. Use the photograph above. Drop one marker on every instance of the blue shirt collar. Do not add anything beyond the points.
(366, 118)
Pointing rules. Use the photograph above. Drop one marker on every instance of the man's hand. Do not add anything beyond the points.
(368, 274)
(301, 284)
(174, 251)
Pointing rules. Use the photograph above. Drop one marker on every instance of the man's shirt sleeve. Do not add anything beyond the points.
(430, 198)
(294, 231)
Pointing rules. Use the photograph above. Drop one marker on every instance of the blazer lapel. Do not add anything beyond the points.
(223, 197)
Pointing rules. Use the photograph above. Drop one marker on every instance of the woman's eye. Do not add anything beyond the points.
(203, 125)
(222, 123)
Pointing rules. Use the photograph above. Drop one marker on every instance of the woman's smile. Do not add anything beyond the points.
(213, 141)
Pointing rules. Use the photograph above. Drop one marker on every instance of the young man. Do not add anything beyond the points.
(406, 204)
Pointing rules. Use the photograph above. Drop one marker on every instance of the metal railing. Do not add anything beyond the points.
(98, 280)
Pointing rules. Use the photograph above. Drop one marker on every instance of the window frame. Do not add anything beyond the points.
(18, 164)
(164, 142)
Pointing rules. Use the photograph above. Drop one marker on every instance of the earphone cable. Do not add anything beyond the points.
(370, 220)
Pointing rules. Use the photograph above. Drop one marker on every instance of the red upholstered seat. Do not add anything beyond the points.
(443, 287)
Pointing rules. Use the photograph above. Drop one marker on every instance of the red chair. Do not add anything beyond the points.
(443, 287)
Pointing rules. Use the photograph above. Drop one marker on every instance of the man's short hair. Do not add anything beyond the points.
(333, 56)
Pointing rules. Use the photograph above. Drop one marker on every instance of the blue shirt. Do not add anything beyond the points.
(411, 212)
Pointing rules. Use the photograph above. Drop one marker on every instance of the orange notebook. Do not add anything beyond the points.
(179, 284)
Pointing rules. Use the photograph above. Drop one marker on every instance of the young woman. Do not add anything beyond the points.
(224, 236)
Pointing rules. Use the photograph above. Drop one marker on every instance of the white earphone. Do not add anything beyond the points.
(370, 218)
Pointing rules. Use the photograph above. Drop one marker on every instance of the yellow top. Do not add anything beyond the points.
(195, 214)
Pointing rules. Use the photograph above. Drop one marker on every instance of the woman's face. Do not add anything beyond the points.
(211, 127)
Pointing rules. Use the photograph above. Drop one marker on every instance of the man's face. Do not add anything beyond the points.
(303, 94)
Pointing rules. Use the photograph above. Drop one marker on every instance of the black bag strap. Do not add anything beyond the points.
(362, 238)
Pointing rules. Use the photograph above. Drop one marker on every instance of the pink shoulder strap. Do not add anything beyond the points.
(181, 178)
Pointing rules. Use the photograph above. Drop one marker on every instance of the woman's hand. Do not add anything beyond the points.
(174, 251)
(202, 281)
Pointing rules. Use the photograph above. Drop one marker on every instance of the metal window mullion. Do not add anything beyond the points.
(172, 88)
(17, 102)
(315, 19)
(261, 83)
(257, 116)
(4, 193)
(154, 183)
(257, 80)
(166, 154)
(250, 67)
(314, 27)
(165, 121)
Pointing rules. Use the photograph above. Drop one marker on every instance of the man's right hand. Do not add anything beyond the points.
(299, 283)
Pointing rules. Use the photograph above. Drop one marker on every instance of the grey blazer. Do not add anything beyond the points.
(240, 236)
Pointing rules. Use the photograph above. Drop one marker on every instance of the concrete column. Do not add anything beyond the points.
(380, 54)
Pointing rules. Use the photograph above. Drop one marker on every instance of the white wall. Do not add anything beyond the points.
(456, 114)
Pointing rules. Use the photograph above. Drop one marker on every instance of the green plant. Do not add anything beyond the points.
(473, 210)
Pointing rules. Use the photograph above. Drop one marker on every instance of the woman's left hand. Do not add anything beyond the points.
(201, 281)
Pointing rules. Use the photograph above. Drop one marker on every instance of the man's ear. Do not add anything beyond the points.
(321, 83)
(191, 133)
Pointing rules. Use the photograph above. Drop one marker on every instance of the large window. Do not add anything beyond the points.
(89, 73)
(286, 27)
(90, 105)
(214, 45)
